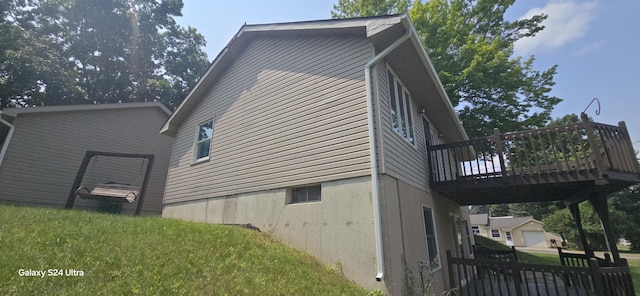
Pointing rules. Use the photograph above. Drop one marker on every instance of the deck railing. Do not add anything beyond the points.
(489, 277)
(581, 151)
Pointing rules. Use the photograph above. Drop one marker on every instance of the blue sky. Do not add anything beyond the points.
(595, 44)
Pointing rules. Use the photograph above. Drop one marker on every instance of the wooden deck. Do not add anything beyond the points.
(557, 163)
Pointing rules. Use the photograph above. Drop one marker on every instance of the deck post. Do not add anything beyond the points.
(452, 281)
(575, 212)
(598, 284)
(499, 151)
(595, 151)
(599, 202)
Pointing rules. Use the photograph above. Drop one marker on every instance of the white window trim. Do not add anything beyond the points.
(435, 233)
(499, 233)
(508, 235)
(405, 112)
(194, 148)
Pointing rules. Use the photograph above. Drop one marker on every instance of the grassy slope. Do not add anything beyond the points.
(548, 259)
(152, 256)
(553, 259)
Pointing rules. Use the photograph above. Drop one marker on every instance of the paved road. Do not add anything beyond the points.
(555, 251)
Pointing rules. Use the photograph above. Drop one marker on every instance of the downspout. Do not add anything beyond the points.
(372, 151)
(5, 144)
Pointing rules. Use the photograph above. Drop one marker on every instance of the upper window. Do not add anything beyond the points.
(495, 233)
(202, 144)
(305, 194)
(400, 101)
(476, 230)
(432, 242)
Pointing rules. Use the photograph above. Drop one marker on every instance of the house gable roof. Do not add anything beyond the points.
(479, 219)
(381, 31)
(507, 222)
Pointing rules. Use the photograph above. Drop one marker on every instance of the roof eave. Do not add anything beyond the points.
(14, 112)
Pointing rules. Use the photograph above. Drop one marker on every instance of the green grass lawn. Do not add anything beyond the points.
(548, 259)
(125, 255)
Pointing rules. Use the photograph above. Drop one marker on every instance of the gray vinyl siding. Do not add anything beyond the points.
(47, 148)
(401, 159)
(288, 111)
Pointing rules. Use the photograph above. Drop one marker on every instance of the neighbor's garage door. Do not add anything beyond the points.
(534, 239)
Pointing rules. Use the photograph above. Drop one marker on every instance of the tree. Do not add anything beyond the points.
(538, 210)
(86, 51)
(471, 46)
(627, 202)
(562, 222)
(358, 8)
(499, 210)
(479, 209)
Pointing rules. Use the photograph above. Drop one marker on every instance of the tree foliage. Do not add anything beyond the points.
(627, 202)
(359, 8)
(471, 46)
(85, 51)
(562, 222)
(538, 210)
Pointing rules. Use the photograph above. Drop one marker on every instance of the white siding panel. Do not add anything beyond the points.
(288, 111)
(46, 150)
(402, 160)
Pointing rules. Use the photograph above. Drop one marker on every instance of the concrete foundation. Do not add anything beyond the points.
(338, 230)
(405, 245)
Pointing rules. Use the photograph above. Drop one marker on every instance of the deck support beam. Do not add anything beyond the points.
(575, 212)
(599, 203)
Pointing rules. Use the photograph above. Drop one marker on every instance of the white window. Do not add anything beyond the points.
(495, 233)
(306, 194)
(508, 235)
(476, 230)
(400, 101)
(432, 241)
(202, 143)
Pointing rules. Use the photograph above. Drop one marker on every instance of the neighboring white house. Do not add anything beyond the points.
(317, 132)
(513, 231)
(42, 148)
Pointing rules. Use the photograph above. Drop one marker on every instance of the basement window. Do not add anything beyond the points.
(303, 194)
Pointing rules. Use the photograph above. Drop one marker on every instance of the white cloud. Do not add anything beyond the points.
(566, 21)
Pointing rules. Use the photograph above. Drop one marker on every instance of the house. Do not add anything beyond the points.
(316, 132)
(42, 148)
(513, 231)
